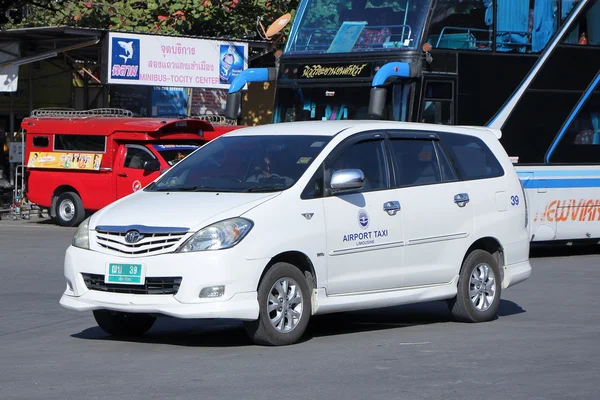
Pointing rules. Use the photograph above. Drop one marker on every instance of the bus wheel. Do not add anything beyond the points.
(69, 209)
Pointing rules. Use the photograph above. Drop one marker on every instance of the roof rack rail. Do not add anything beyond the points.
(215, 119)
(71, 113)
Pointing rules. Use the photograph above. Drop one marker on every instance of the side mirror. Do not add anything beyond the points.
(151, 166)
(377, 102)
(233, 108)
(347, 179)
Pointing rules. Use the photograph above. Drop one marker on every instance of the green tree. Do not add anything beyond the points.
(215, 18)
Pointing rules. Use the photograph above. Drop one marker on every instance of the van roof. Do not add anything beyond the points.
(332, 128)
(104, 126)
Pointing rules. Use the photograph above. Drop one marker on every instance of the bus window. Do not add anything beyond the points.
(525, 26)
(587, 28)
(566, 7)
(332, 26)
(580, 142)
(335, 103)
(91, 143)
(465, 25)
(41, 141)
(438, 103)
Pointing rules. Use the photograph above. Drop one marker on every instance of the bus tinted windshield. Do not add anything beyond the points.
(343, 26)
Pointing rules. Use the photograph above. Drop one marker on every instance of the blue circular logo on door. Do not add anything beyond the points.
(363, 219)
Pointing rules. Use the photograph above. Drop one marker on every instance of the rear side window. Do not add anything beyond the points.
(420, 162)
(80, 143)
(41, 141)
(473, 159)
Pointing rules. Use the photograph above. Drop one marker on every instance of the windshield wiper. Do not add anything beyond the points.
(265, 189)
(194, 189)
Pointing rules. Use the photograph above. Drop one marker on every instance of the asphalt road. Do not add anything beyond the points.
(544, 345)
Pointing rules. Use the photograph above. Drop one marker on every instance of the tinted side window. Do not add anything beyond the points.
(315, 187)
(41, 141)
(586, 30)
(472, 157)
(419, 162)
(462, 24)
(136, 157)
(445, 167)
(580, 141)
(368, 156)
(80, 143)
(437, 104)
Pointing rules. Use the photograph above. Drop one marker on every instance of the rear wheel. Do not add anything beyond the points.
(123, 324)
(479, 289)
(285, 306)
(69, 209)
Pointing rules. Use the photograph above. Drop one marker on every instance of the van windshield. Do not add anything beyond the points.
(173, 153)
(244, 164)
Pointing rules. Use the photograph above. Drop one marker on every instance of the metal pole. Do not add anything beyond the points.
(30, 88)
(12, 134)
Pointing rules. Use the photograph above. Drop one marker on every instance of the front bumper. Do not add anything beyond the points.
(197, 271)
(242, 306)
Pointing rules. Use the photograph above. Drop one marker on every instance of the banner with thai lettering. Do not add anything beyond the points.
(83, 161)
(173, 61)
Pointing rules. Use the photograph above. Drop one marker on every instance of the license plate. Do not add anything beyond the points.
(127, 274)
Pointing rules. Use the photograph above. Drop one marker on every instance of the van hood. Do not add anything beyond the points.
(177, 209)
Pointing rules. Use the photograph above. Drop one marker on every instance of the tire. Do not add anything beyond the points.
(69, 209)
(475, 302)
(123, 324)
(275, 327)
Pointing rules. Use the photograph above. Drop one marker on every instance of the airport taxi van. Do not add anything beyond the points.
(276, 223)
(80, 161)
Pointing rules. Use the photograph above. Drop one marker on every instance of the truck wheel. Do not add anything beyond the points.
(69, 209)
(284, 299)
(479, 289)
(123, 324)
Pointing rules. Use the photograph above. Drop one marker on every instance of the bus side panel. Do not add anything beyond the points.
(95, 188)
(485, 82)
(40, 186)
(564, 201)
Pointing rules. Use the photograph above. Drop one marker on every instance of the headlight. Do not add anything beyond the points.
(222, 235)
(81, 238)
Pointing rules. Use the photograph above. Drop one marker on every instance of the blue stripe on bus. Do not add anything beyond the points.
(561, 173)
(574, 113)
(560, 183)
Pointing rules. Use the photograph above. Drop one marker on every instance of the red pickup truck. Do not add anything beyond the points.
(80, 161)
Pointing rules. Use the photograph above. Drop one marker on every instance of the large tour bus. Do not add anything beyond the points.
(528, 67)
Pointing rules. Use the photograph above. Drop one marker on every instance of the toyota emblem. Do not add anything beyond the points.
(133, 236)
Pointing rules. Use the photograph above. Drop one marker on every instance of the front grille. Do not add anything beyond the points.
(153, 285)
(151, 243)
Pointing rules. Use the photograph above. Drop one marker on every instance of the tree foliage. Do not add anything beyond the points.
(216, 18)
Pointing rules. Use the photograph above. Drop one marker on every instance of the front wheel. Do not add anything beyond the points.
(123, 324)
(69, 209)
(479, 289)
(285, 307)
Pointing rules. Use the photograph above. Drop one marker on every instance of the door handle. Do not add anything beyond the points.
(123, 175)
(391, 207)
(461, 199)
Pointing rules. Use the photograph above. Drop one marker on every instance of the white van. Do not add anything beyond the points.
(276, 223)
